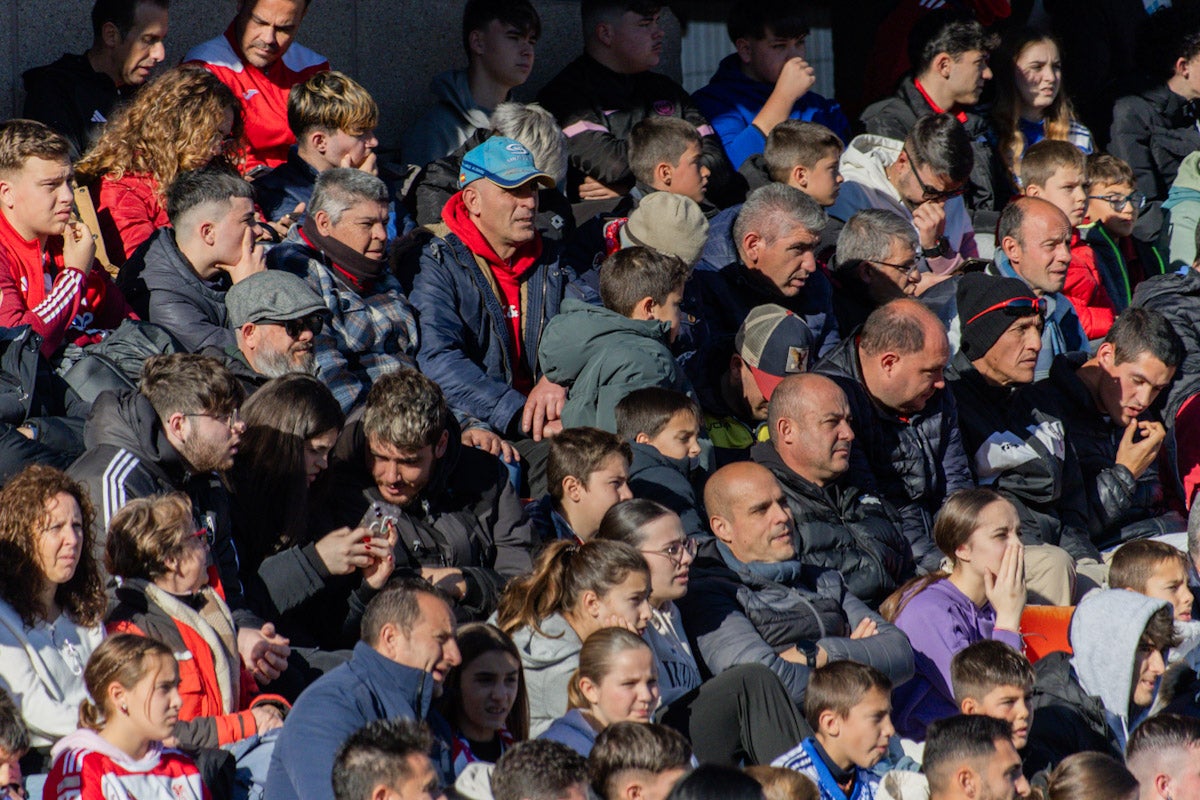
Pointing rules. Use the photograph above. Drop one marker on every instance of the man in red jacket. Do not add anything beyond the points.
(46, 255)
(258, 59)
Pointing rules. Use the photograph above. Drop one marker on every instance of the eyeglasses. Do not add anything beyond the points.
(1118, 203)
(675, 550)
(231, 420)
(928, 191)
(294, 327)
(204, 535)
(910, 269)
(1031, 304)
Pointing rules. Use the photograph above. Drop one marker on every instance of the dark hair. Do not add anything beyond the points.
(561, 574)
(406, 410)
(475, 640)
(1159, 733)
(518, 13)
(840, 686)
(624, 521)
(649, 411)
(986, 665)
(940, 142)
(896, 327)
(659, 140)
(1171, 33)
(120, 13)
(716, 782)
(1159, 633)
(378, 754)
(578, 452)
(1142, 330)
(946, 31)
(1091, 776)
(963, 738)
(625, 746)
(216, 183)
(539, 769)
(593, 12)
(1047, 157)
(792, 143)
(271, 501)
(22, 516)
(121, 658)
(398, 604)
(1134, 563)
(634, 273)
(14, 736)
(785, 18)
(189, 383)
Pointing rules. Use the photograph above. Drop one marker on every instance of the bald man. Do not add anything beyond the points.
(838, 525)
(793, 617)
(908, 449)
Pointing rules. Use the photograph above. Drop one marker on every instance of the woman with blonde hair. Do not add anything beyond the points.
(181, 121)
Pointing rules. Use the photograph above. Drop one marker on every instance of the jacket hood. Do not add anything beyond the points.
(719, 248)
(556, 643)
(1187, 180)
(730, 81)
(452, 89)
(572, 730)
(591, 330)
(128, 421)
(1104, 634)
(87, 739)
(863, 166)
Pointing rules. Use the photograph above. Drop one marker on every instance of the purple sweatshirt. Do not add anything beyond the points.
(939, 622)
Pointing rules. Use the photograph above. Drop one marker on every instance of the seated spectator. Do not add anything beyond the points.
(849, 708)
(748, 578)
(761, 252)
(76, 94)
(274, 316)
(990, 678)
(452, 508)
(781, 783)
(1163, 753)
(838, 525)
(179, 279)
(143, 150)
(663, 429)
(982, 597)
(51, 603)
(1033, 243)
(118, 749)
(876, 262)
(949, 72)
(1095, 776)
(499, 38)
(972, 752)
(1031, 105)
(735, 384)
(588, 473)
(1176, 241)
(386, 757)
(333, 119)
(573, 591)
(258, 59)
(622, 44)
(485, 291)
(887, 173)
(540, 770)
(1017, 449)
(804, 155)
(715, 782)
(629, 759)
(665, 155)
(340, 250)
(742, 715)
(616, 681)
(905, 421)
(165, 592)
(1158, 570)
(397, 670)
(14, 744)
(1103, 402)
(1153, 131)
(47, 280)
(1092, 699)
(1122, 261)
(601, 354)
(485, 701)
(765, 81)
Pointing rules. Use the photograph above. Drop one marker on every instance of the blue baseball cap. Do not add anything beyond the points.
(503, 161)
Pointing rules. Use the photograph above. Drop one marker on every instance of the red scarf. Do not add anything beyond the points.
(508, 276)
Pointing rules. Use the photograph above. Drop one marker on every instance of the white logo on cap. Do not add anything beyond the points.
(796, 359)
(516, 147)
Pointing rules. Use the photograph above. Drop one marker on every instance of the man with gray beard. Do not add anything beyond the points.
(275, 316)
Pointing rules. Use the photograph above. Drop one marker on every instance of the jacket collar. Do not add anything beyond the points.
(397, 687)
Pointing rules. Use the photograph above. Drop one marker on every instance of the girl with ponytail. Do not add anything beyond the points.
(118, 752)
(573, 591)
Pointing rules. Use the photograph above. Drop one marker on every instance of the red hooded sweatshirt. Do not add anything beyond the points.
(507, 276)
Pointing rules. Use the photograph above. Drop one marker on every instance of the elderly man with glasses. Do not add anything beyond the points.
(877, 261)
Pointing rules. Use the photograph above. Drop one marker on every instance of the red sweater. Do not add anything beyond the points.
(86, 767)
(60, 304)
(1086, 291)
(130, 210)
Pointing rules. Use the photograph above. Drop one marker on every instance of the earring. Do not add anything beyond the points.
(125, 710)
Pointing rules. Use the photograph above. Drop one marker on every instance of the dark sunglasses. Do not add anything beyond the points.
(294, 327)
(1036, 305)
(928, 191)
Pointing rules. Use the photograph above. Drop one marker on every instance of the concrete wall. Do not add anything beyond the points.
(393, 47)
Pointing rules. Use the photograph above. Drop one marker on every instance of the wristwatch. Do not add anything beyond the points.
(809, 650)
(941, 249)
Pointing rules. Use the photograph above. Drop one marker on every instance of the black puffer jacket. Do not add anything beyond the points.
(1022, 453)
(914, 463)
(1176, 296)
(739, 617)
(843, 528)
(1066, 719)
(1115, 499)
